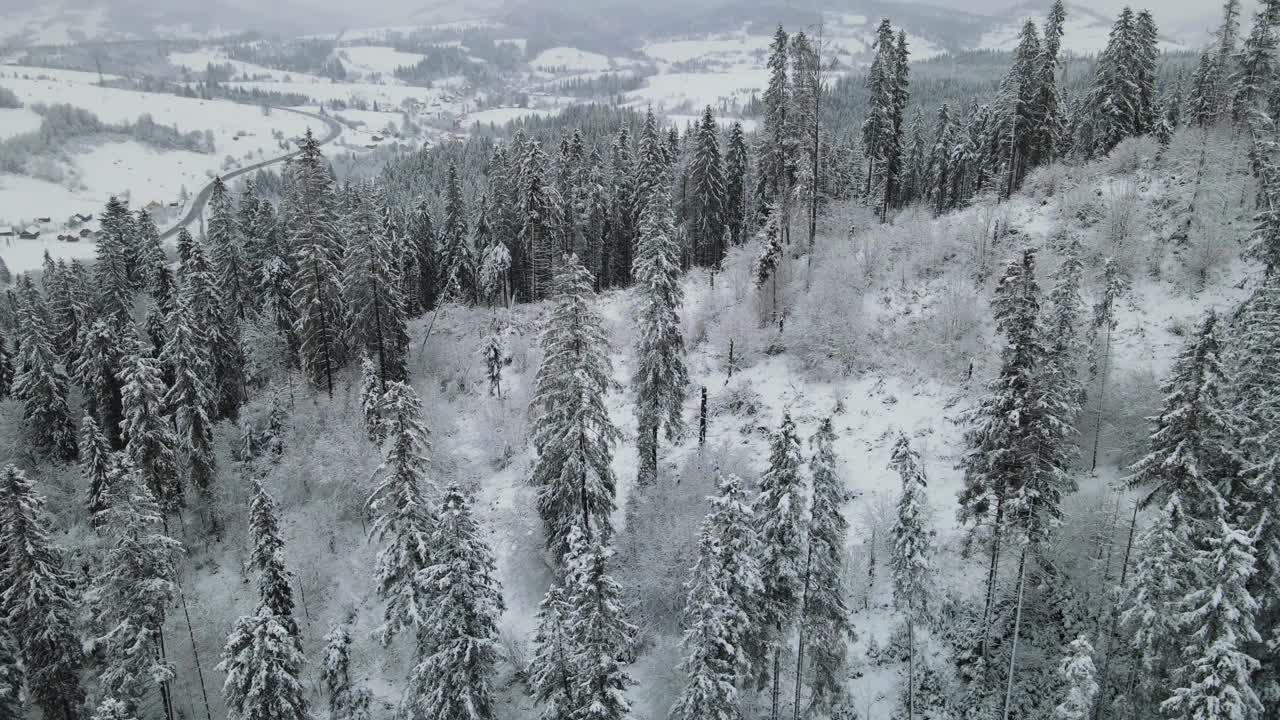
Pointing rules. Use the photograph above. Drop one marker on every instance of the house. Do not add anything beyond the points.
(44, 220)
(6, 231)
(83, 217)
(377, 138)
(30, 233)
(85, 232)
(175, 204)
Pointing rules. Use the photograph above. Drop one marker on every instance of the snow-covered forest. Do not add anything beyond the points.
(895, 404)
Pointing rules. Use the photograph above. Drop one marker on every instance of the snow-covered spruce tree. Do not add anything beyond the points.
(707, 205)
(1065, 322)
(347, 700)
(132, 590)
(779, 511)
(1193, 443)
(1002, 446)
(736, 165)
(825, 629)
(267, 558)
(41, 386)
(263, 658)
(1264, 241)
(112, 709)
(38, 600)
(878, 130)
(371, 390)
(403, 518)
(1020, 123)
(456, 262)
(721, 635)
(373, 290)
(96, 372)
(97, 466)
(553, 672)
(1254, 85)
(1214, 679)
(189, 401)
(227, 249)
(572, 432)
(148, 435)
(219, 332)
(774, 159)
(10, 680)
(1049, 137)
(660, 376)
(311, 222)
(112, 272)
(600, 634)
(6, 367)
(457, 642)
(494, 358)
(912, 547)
(1077, 673)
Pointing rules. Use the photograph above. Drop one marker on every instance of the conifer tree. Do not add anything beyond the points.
(1077, 673)
(825, 628)
(10, 680)
(97, 465)
(371, 390)
(601, 635)
(347, 700)
(553, 671)
(1215, 677)
(148, 433)
(1114, 100)
(38, 600)
(779, 511)
(112, 709)
(1049, 110)
(403, 519)
(880, 129)
(660, 376)
(774, 160)
(263, 658)
(114, 270)
(422, 241)
(457, 263)
(457, 643)
(229, 264)
(96, 372)
(132, 592)
(572, 432)
(6, 367)
(912, 547)
(538, 226)
(1020, 93)
(41, 386)
(708, 218)
(189, 401)
(317, 295)
(1192, 450)
(378, 318)
(736, 163)
(1256, 81)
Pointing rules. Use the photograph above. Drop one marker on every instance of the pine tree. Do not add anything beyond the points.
(879, 130)
(1258, 65)
(774, 158)
(572, 432)
(6, 367)
(97, 466)
(263, 658)
(148, 433)
(1049, 137)
(825, 628)
(373, 291)
(779, 511)
(710, 667)
(347, 700)
(220, 330)
(457, 643)
(403, 520)
(189, 401)
(132, 591)
(112, 709)
(1114, 101)
(601, 634)
(1020, 93)
(912, 547)
(41, 386)
(538, 226)
(371, 389)
(708, 216)
(38, 600)
(660, 376)
(1077, 673)
(113, 272)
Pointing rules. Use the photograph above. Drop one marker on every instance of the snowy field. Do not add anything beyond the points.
(18, 121)
(384, 95)
(693, 91)
(197, 61)
(369, 60)
(574, 60)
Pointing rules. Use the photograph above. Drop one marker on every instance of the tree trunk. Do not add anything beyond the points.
(1017, 626)
(195, 653)
(1102, 392)
(991, 582)
(804, 604)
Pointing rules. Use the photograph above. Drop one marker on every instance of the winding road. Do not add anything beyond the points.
(202, 197)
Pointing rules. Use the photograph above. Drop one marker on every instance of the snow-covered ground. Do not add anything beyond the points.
(198, 60)
(368, 60)
(383, 94)
(502, 116)
(18, 121)
(699, 89)
(1082, 34)
(573, 59)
